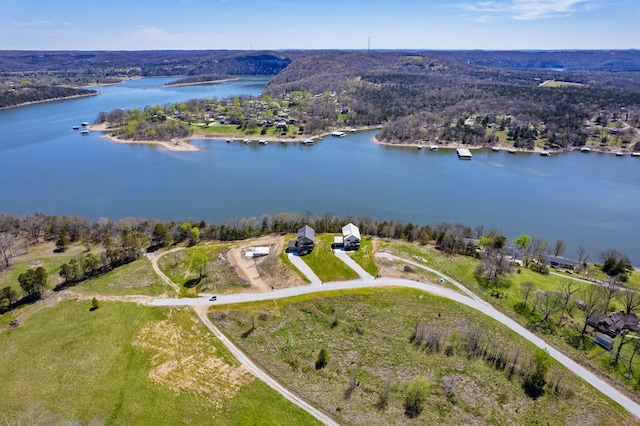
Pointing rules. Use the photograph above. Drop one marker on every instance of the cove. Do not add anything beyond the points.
(590, 200)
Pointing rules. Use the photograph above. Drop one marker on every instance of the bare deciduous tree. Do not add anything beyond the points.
(525, 290)
(567, 289)
(550, 304)
(495, 263)
(591, 299)
(630, 298)
(609, 291)
(583, 255)
(559, 248)
(7, 242)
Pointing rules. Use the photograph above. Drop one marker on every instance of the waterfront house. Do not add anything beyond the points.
(614, 323)
(350, 237)
(306, 240)
(560, 262)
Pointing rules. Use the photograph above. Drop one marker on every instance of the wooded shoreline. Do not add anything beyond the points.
(50, 100)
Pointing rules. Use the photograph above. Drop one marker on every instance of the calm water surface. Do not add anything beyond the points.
(586, 199)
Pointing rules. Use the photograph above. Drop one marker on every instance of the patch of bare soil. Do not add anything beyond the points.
(392, 269)
(267, 272)
(183, 361)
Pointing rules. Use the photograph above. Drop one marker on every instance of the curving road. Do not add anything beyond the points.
(468, 299)
(259, 373)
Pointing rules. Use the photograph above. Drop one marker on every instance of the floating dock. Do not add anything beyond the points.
(464, 154)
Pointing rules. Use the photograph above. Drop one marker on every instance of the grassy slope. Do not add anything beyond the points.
(372, 335)
(325, 264)
(462, 269)
(69, 364)
(134, 278)
(365, 256)
(183, 267)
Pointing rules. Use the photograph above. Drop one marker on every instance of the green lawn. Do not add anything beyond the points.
(325, 263)
(231, 130)
(125, 364)
(365, 256)
(367, 334)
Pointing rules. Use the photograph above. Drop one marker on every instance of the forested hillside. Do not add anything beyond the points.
(550, 100)
(30, 75)
(441, 96)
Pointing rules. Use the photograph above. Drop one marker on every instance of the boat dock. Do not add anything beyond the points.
(464, 154)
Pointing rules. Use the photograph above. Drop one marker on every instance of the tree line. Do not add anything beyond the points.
(122, 241)
(20, 95)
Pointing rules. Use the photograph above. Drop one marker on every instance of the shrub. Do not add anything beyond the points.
(539, 268)
(323, 358)
(417, 393)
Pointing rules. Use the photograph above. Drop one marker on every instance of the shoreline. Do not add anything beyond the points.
(500, 147)
(50, 100)
(122, 80)
(172, 145)
(199, 83)
(185, 144)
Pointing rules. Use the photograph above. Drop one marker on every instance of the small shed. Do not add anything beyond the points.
(257, 251)
(351, 237)
(306, 240)
(604, 341)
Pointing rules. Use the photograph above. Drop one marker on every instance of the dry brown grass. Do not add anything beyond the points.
(183, 360)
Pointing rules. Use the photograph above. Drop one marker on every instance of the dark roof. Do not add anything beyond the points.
(614, 323)
(559, 260)
(604, 341)
(306, 231)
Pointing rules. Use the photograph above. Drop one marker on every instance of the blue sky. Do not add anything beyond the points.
(328, 24)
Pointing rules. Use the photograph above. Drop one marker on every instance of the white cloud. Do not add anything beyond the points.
(527, 9)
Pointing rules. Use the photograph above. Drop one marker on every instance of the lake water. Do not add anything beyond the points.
(591, 199)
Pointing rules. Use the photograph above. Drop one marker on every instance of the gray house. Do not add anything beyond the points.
(306, 240)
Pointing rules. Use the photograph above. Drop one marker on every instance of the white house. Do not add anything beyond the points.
(351, 237)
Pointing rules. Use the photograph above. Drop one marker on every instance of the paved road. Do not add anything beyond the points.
(261, 374)
(467, 300)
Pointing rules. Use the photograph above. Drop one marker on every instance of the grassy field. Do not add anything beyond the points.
(325, 264)
(134, 278)
(200, 268)
(40, 255)
(367, 334)
(127, 364)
